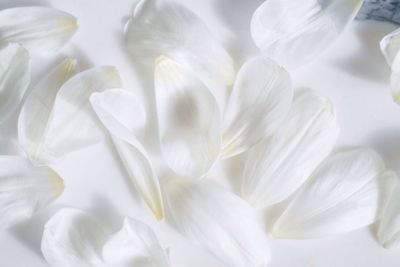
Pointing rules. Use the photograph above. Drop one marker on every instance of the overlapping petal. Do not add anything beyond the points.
(295, 32)
(261, 97)
(278, 166)
(343, 194)
(39, 29)
(24, 189)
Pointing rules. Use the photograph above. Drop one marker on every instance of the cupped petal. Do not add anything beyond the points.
(35, 112)
(167, 28)
(14, 78)
(135, 245)
(343, 194)
(189, 120)
(260, 100)
(39, 29)
(217, 220)
(279, 165)
(295, 32)
(24, 189)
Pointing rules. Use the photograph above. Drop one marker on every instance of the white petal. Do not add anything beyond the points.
(278, 166)
(14, 78)
(259, 102)
(389, 226)
(166, 28)
(218, 221)
(189, 120)
(72, 124)
(24, 189)
(343, 194)
(295, 32)
(124, 118)
(39, 29)
(135, 245)
(36, 110)
(73, 238)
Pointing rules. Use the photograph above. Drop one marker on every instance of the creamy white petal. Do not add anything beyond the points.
(39, 29)
(343, 194)
(279, 165)
(35, 112)
(389, 226)
(124, 118)
(168, 28)
(24, 189)
(295, 32)
(72, 124)
(189, 120)
(73, 238)
(218, 221)
(135, 245)
(261, 97)
(14, 78)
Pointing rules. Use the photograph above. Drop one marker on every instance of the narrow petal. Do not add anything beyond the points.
(295, 32)
(218, 221)
(39, 29)
(278, 166)
(343, 194)
(167, 28)
(24, 189)
(35, 112)
(135, 245)
(259, 102)
(73, 238)
(189, 120)
(124, 118)
(14, 78)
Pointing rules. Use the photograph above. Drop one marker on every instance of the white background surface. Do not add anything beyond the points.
(352, 73)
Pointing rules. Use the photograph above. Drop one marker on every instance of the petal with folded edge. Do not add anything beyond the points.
(24, 189)
(261, 97)
(343, 194)
(279, 165)
(166, 28)
(14, 78)
(39, 29)
(189, 120)
(216, 220)
(35, 112)
(295, 32)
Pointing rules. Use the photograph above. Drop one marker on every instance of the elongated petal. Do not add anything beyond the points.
(25, 189)
(73, 238)
(389, 226)
(189, 120)
(343, 194)
(72, 124)
(278, 166)
(259, 102)
(35, 112)
(135, 245)
(295, 32)
(218, 221)
(124, 118)
(14, 78)
(168, 28)
(39, 29)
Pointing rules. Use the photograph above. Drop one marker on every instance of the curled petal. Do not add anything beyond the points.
(39, 29)
(343, 194)
(295, 32)
(14, 78)
(189, 120)
(259, 102)
(278, 166)
(24, 189)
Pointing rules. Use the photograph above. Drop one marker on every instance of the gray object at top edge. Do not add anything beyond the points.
(383, 10)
